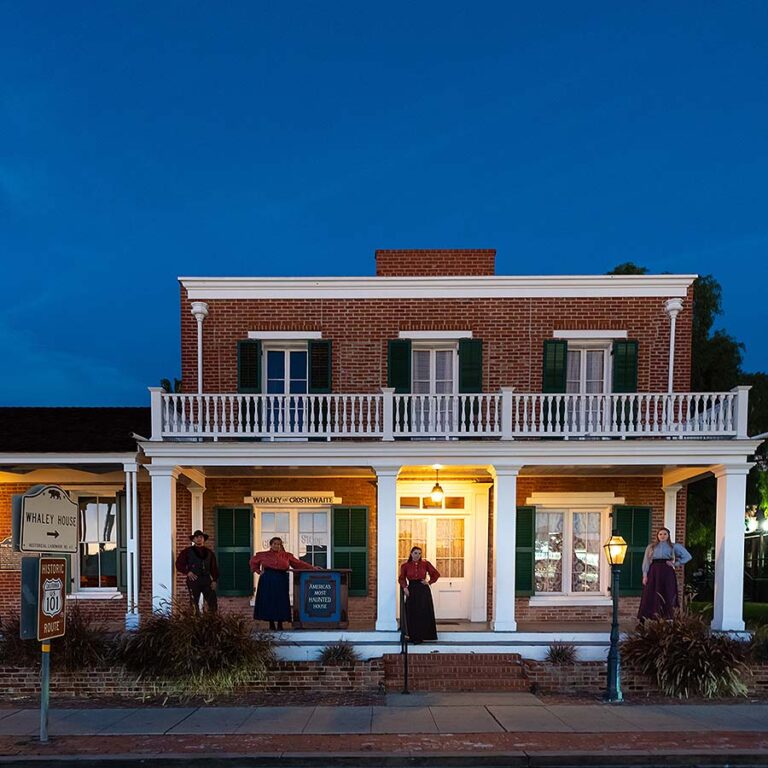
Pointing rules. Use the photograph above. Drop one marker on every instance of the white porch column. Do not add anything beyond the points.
(670, 508)
(504, 530)
(196, 491)
(386, 548)
(673, 308)
(131, 546)
(200, 312)
(163, 535)
(729, 547)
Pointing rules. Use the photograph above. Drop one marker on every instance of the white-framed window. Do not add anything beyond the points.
(434, 368)
(96, 564)
(589, 368)
(568, 551)
(285, 368)
(305, 532)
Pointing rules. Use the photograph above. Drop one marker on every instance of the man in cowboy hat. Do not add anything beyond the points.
(199, 565)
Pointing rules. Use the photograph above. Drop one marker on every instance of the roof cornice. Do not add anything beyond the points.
(496, 286)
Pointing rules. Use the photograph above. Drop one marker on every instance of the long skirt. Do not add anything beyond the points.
(420, 613)
(272, 601)
(659, 598)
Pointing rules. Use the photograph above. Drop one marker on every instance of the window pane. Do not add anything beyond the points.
(444, 365)
(321, 521)
(449, 558)
(420, 375)
(549, 552)
(108, 565)
(573, 377)
(409, 501)
(595, 370)
(268, 522)
(586, 552)
(282, 522)
(107, 520)
(89, 565)
(411, 533)
(89, 519)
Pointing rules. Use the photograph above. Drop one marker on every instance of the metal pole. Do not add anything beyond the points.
(404, 641)
(45, 671)
(613, 689)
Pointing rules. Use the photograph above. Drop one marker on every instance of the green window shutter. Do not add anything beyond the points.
(319, 366)
(234, 549)
(555, 366)
(68, 577)
(399, 365)
(249, 366)
(625, 366)
(122, 542)
(350, 546)
(634, 524)
(470, 365)
(525, 534)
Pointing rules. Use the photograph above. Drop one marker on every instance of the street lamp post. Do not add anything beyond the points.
(615, 552)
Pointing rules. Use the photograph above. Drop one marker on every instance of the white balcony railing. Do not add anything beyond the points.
(506, 415)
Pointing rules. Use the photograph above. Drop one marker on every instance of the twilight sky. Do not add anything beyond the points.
(146, 140)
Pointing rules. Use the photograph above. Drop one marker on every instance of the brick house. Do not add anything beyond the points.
(550, 410)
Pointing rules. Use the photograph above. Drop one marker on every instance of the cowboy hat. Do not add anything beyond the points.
(198, 533)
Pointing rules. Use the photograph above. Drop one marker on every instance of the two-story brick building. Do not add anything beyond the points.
(549, 410)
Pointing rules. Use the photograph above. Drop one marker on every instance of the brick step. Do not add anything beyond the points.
(418, 684)
(457, 672)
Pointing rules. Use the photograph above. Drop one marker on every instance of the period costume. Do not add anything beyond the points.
(201, 562)
(659, 599)
(419, 609)
(272, 600)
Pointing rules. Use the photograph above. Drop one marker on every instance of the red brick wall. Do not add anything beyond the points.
(231, 492)
(419, 262)
(512, 330)
(640, 491)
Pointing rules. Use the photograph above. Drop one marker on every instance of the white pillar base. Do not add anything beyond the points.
(729, 548)
(387, 588)
(504, 533)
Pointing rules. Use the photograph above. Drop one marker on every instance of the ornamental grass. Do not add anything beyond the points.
(196, 654)
(338, 654)
(686, 659)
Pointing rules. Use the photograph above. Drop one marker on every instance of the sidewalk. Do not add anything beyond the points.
(456, 728)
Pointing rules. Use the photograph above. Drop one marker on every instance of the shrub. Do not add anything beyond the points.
(338, 653)
(759, 644)
(685, 659)
(86, 644)
(197, 653)
(561, 654)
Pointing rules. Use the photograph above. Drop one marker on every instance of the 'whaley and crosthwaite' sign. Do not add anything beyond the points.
(45, 520)
(293, 498)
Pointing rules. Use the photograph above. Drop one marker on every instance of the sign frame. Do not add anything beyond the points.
(44, 502)
(52, 598)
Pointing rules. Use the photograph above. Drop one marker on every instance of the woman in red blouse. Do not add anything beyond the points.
(419, 610)
(272, 601)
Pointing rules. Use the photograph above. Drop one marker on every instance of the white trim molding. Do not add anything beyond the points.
(488, 286)
(285, 335)
(546, 601)
(435, 335)
(589, 335)
(573, 499)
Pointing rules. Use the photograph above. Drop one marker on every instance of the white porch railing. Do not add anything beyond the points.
(506, 415)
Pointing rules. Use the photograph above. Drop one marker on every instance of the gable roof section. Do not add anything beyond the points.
(71, 430)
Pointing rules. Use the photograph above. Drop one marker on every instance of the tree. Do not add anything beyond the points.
(166, 385)
(628, 268)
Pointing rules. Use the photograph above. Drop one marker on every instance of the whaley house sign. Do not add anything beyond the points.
(45, 520)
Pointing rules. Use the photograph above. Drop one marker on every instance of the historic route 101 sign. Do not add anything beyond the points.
(47, 520)
(52, 596)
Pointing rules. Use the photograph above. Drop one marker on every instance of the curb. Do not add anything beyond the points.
(511, 759)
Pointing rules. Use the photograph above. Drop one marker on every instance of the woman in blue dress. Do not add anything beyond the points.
(662, 557)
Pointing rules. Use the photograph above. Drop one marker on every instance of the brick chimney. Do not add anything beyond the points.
(416, 262)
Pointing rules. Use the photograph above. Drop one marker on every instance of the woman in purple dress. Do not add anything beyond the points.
(659, 600)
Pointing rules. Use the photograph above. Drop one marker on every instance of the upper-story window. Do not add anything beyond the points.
(434, 369)
(587, 369)
(285, 369)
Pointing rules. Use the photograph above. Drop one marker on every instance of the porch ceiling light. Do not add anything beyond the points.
(437, 491)
(615, 549)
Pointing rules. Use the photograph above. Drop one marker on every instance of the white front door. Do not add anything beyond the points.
(443, 541)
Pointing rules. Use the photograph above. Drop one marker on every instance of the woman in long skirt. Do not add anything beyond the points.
(272, 601)
(659, 599)
(419, 610)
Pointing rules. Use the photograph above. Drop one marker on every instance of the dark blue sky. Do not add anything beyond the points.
(142, 141)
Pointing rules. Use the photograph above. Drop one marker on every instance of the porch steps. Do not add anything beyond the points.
(456, 672)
